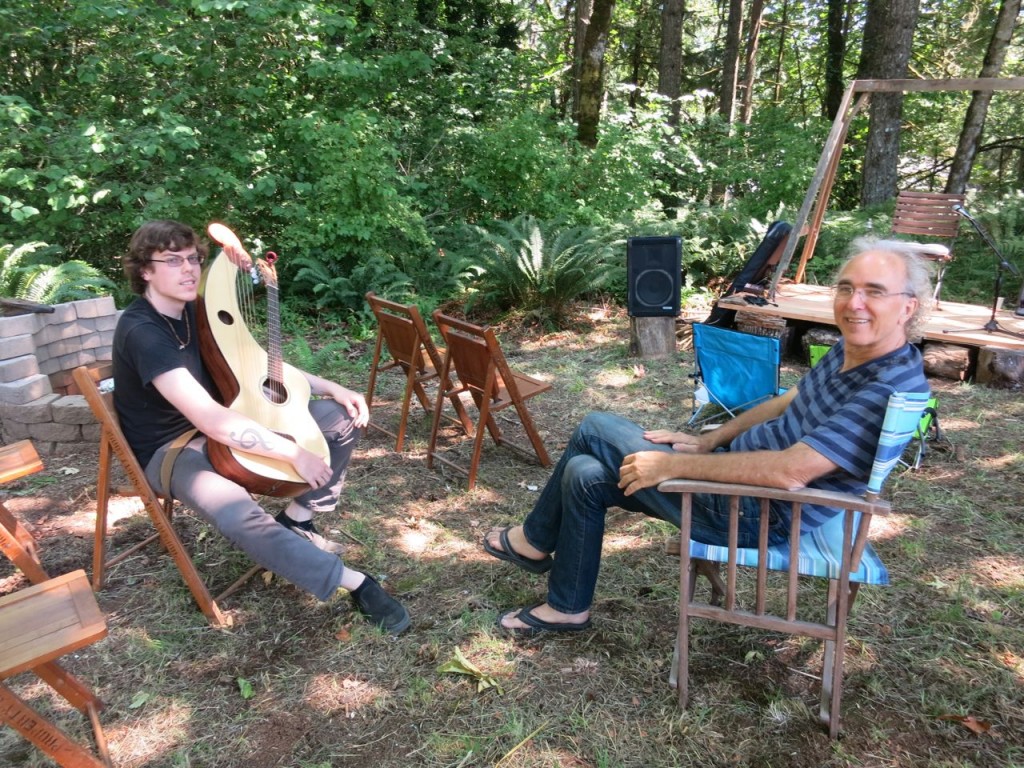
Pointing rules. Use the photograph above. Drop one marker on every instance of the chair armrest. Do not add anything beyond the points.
(803, 495)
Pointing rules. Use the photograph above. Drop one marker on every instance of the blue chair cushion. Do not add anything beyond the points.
(820, 555)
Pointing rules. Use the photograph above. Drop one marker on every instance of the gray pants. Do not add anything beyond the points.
(231, 509)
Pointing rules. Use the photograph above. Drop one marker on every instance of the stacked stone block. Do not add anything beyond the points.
(38, 352)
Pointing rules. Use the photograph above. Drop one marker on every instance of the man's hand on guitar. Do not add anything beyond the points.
(232, 246)
(312, 468)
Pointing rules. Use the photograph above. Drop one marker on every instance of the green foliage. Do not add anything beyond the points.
(338, 292)
(33, 272)
(356, 138)
(541, 267)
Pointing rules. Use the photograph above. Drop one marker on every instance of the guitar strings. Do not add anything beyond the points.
(253, 360)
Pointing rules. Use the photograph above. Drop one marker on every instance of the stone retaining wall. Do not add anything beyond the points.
(38, 352)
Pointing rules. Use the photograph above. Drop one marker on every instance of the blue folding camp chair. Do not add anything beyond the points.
(733, 371)
(838, 551)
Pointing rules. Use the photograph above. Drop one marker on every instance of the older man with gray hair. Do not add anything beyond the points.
(821, 433)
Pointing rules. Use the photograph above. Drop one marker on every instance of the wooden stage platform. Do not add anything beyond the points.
(949, 323)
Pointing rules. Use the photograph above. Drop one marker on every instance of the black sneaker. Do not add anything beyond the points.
(378, 606)
(307, 530)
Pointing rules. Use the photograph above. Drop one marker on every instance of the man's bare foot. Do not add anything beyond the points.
(543, 618)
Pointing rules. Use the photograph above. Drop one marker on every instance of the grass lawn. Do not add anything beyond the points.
(934, 662)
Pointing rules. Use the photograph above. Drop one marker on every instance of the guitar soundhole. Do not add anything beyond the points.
(275, 391)
(225, 317)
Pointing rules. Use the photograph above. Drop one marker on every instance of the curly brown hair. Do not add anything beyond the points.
(152, 237)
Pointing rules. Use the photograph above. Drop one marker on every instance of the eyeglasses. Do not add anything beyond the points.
(176, 261)
(846, 292)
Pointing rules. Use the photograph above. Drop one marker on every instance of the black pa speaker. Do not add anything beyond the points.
(653, 269)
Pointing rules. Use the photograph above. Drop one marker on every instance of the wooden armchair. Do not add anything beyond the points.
(838, 551)
(474, 353)
(40, 624)
(160, 510)
(403, 334)
(929, 215)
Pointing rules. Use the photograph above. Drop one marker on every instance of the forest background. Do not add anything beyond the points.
(495, 150)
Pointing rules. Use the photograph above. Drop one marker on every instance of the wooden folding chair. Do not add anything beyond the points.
(38, 625)
(160, 510)
(930, 215)
(475, 355)
(17, 460)
(402, 332)
(839, 551)
(41, 623)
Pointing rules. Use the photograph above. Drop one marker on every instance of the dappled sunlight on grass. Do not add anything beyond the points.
(1000, 572)
(998, 463)
(615, 378)
(885, 527)
(337, 694)
(156, 731)
(1013, 661)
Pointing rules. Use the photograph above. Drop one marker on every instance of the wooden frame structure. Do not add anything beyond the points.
(857, 96)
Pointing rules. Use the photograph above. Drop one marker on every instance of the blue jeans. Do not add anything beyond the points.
(568, 518)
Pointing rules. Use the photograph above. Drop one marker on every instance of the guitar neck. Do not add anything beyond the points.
(275, 363)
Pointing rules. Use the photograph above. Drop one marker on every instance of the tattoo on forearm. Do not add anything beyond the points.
(249, 439)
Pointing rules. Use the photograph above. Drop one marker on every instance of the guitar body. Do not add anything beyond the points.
(239, 367)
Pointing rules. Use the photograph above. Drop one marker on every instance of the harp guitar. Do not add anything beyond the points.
(252, 380)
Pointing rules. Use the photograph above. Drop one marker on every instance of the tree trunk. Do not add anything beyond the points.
(779, 56)
(731, 61)
(670, 58)
(974, 121)
(750, 65)
(834, 57)
(888, 34)
(595, 43)
(584, 10)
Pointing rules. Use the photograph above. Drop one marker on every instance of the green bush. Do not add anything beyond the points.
(34, 272)
(540, 268)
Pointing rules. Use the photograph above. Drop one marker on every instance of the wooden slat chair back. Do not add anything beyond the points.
(839, 551)
(403, 335)
(40, 624)
(474, 354)
(160, 510)
(929, 215)
(17, 460)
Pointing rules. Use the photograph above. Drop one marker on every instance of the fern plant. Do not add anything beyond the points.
(31, 272)
(526, 267)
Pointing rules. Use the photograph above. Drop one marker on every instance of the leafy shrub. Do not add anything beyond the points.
(33, 272)
(540, 268)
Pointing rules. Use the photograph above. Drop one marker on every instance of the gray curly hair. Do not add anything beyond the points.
(919, 276)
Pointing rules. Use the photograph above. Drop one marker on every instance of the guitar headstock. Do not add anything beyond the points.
(231, 244)
(266, 269)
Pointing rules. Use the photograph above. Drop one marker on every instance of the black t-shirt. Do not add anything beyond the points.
(145, 346)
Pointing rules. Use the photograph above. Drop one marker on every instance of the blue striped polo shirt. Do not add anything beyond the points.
(838, 414)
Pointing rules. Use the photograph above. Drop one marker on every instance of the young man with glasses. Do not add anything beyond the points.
(162, 391)
(821, 433)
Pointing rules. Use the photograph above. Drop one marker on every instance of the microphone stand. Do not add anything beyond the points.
(1002, 265)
